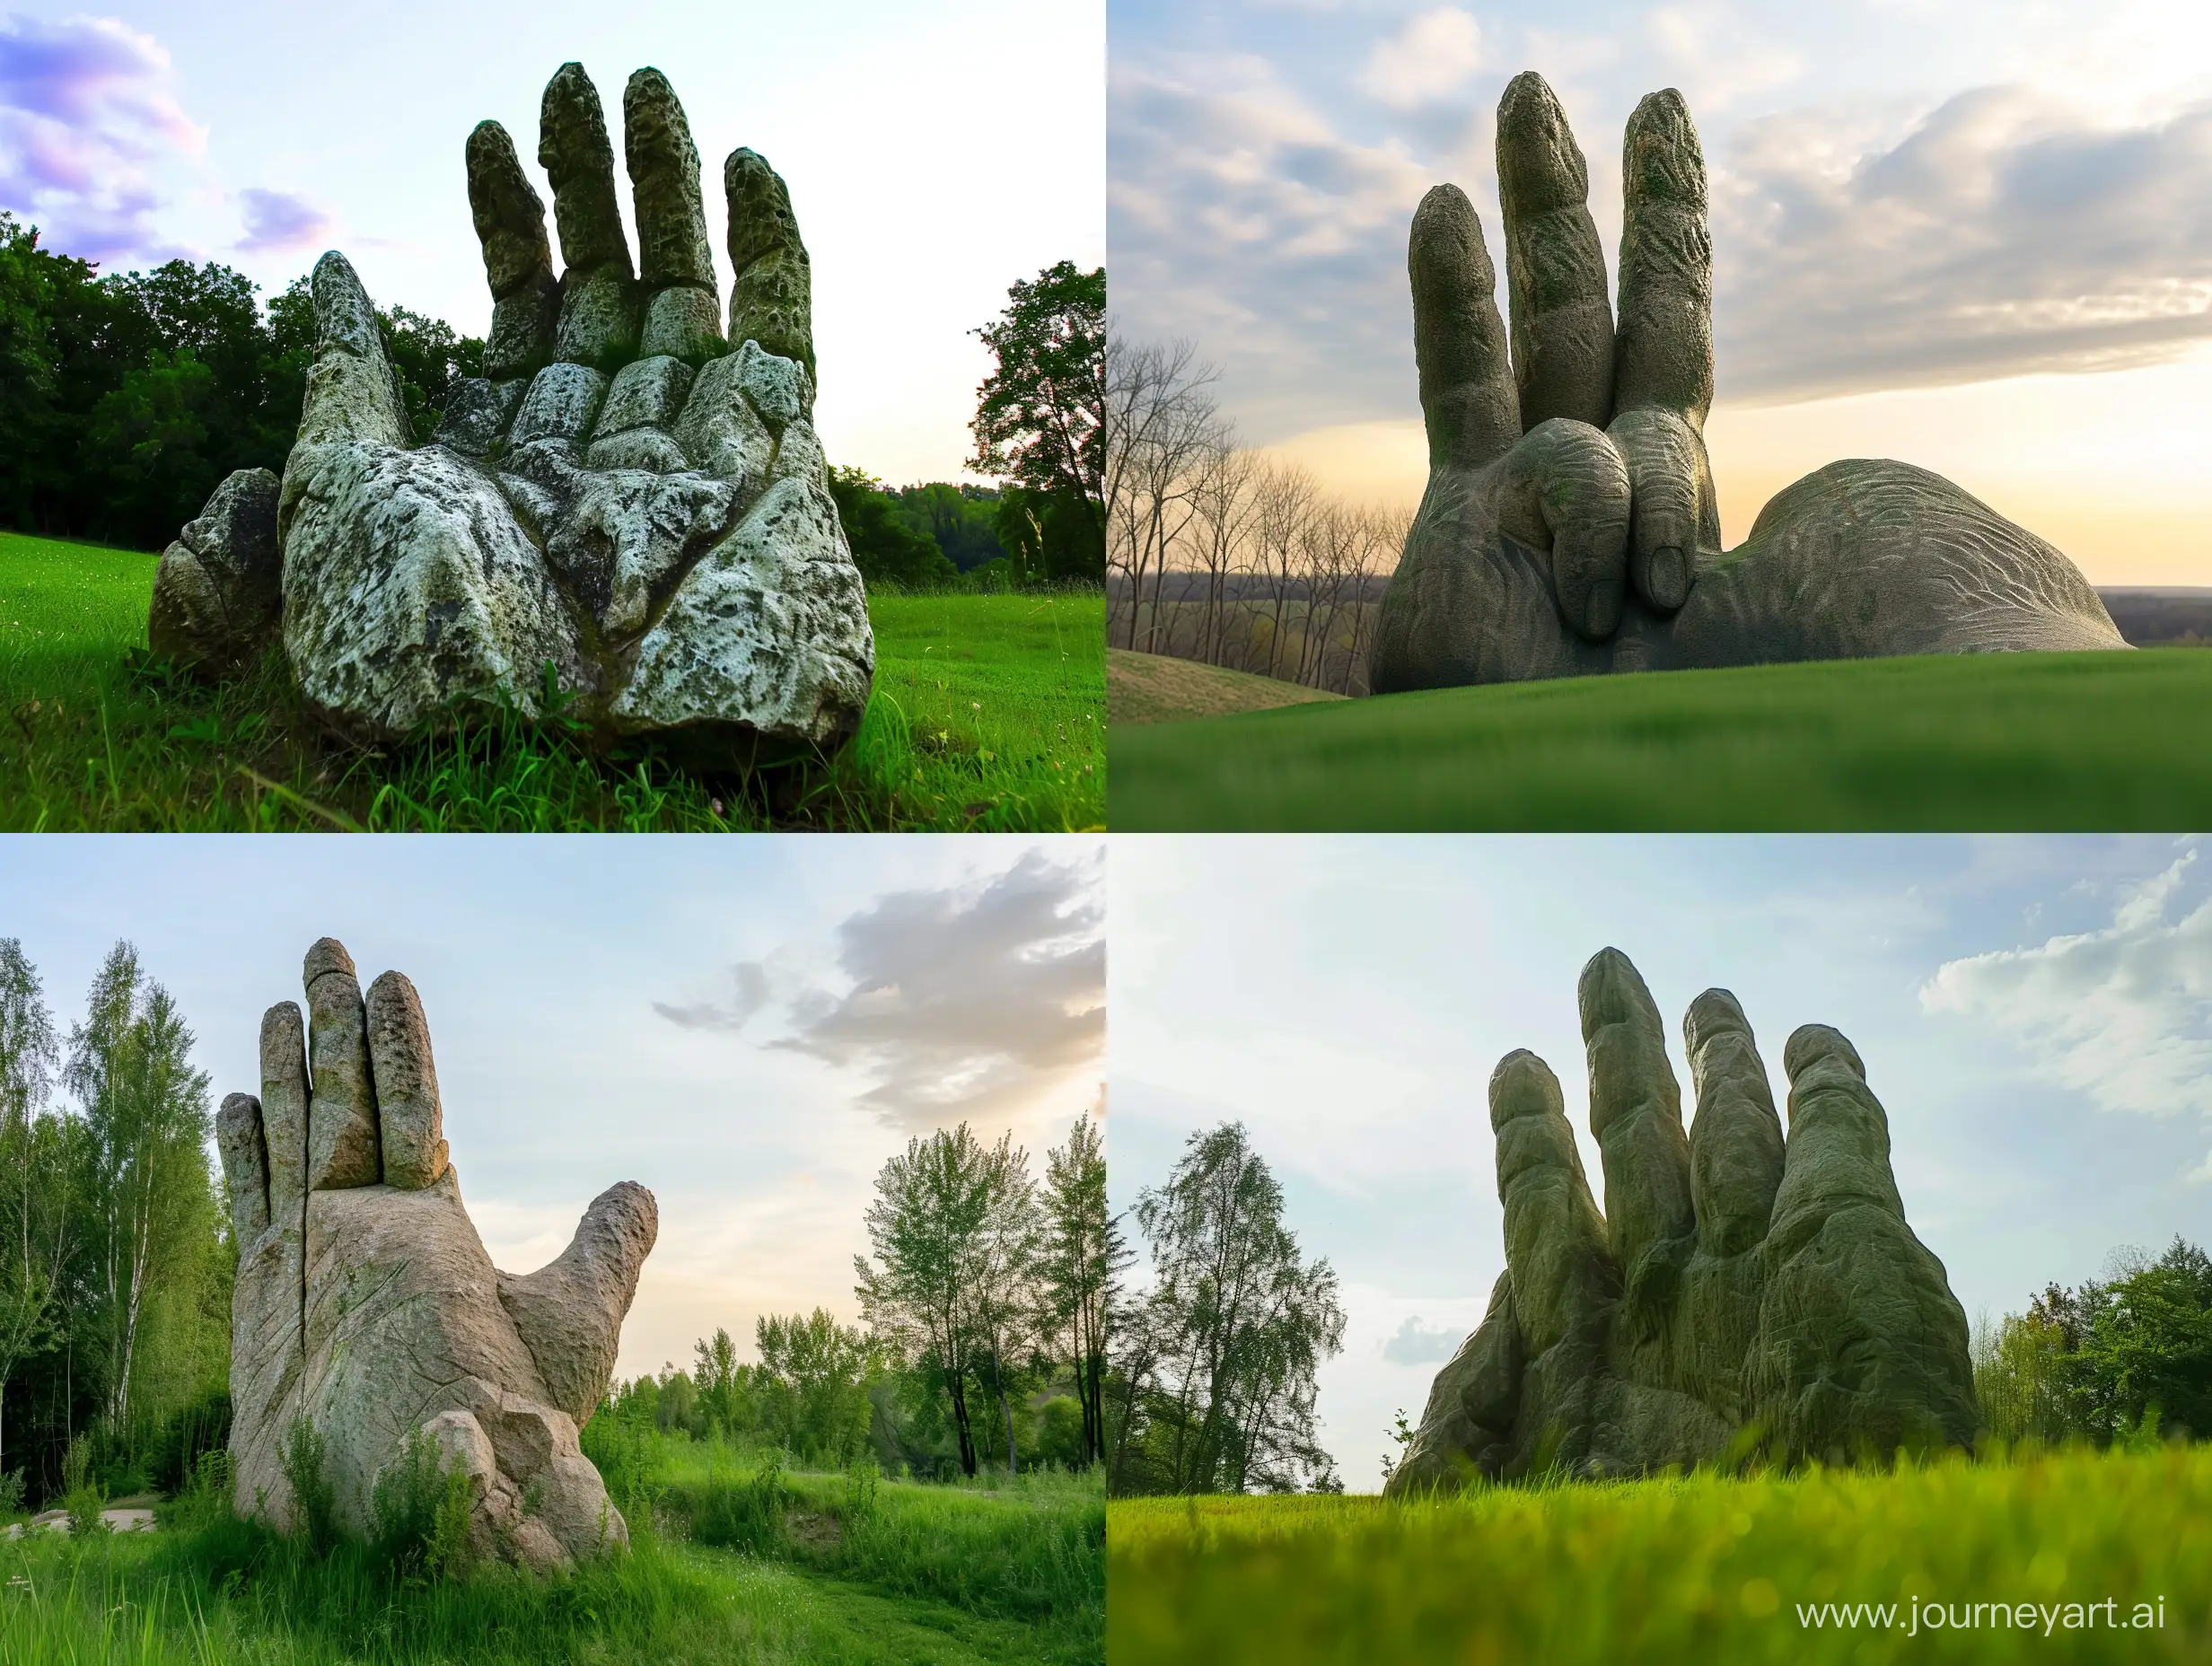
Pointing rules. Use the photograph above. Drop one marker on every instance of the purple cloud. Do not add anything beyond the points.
(279, 220)
(86, 108)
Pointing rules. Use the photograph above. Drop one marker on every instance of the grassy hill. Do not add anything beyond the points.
(1156, 689)
(1967, 743)
(1704, 1568)
(989, 715)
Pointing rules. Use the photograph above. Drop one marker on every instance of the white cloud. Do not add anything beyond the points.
(1432, 56)
(1413, 1343)
(2122, 1014)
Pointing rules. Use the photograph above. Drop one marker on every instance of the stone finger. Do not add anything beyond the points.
(352, 392)
(245, 1166)
(518, 261)
(1555, 1238)
(410, 1123)
(772, 293)
(1838, 1153)
(1636, 1112)
(569, 1312)
(341, 1109)
(1663, 351)
(598, 324)
(1555, 270)
(1459, 341)
(283, 1110)
(1736, 1139)
(1674, 514)
(675, 258)
(1564, 490)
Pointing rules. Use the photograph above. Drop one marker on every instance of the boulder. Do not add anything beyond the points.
(218, 590)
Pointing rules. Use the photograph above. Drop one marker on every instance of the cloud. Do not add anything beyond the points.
(87, 109)
(281, 220)
(2122, 1014)
(1432, 56)
(1415, 1344)
(965, 1002)
(2003, 233)
(749, 994)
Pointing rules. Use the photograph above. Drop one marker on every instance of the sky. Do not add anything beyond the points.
(749, 1028)
(937, 151)
(1975, 234)
(2035, 1014)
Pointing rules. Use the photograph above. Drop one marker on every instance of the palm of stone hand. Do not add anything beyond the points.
(1570, 524)
(626, 496)
(365, 1301)
(1739, 1292)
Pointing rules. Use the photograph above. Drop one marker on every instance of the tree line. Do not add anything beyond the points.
(2125, 1357)
(115, 1261)
(1219, 553)
(125, 398)
(983, 1335)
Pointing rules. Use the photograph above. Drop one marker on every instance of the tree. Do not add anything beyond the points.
(927, 1228)
(1005, 1262)
(33, 1241)
(814, 1384)
(886, 549)
(1219, 1370)
(148, 1124)
(1040, 423)
(1082, 1255)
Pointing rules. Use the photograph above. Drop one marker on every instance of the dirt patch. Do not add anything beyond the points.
(816, 1530)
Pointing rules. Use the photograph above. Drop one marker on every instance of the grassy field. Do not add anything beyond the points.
(1977, 742)
(1705, 1569)
(724, 1569)
(989, 715)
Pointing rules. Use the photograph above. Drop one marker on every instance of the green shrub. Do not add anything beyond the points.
(421, 1514)
(306, 1470)
(82, 1496)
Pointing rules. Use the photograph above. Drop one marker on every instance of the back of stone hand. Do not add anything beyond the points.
(628, 496)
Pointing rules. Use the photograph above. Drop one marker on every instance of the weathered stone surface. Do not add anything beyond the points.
(218, 593)
(672, 246)
(563, 404)
(610, 518)
(478, 413)
(721, 433)
(1571, 525)
(684, 322)
(647, 392)
(372, 1310)
(1742, 1293)
(508, 212)
(599, 316)
(772, 301)
(578, 158)
(770, 624)
(629, 536)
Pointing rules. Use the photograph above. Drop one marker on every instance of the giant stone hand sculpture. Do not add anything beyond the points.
(365, 1301)
(1570, 524)
(628, 496)
(1740, 1291)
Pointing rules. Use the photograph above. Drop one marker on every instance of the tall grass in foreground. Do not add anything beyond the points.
(988, 713)
(1702, 1568)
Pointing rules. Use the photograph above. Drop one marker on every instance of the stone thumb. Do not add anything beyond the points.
(352, 392)
(569, 1312)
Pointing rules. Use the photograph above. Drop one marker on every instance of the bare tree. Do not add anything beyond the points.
(1162, 425)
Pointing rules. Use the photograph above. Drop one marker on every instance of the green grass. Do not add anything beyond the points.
(1706, 1568)
(989, 715)
(875, 1586)
(1979, 742)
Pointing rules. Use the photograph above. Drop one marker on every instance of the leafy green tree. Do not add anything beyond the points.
(33, 1167)
(1040, 415)
(928, 1229)
(813, 1382)
(1082, 1255)
(886, 547)
(962, 518)
(1218, 1361)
